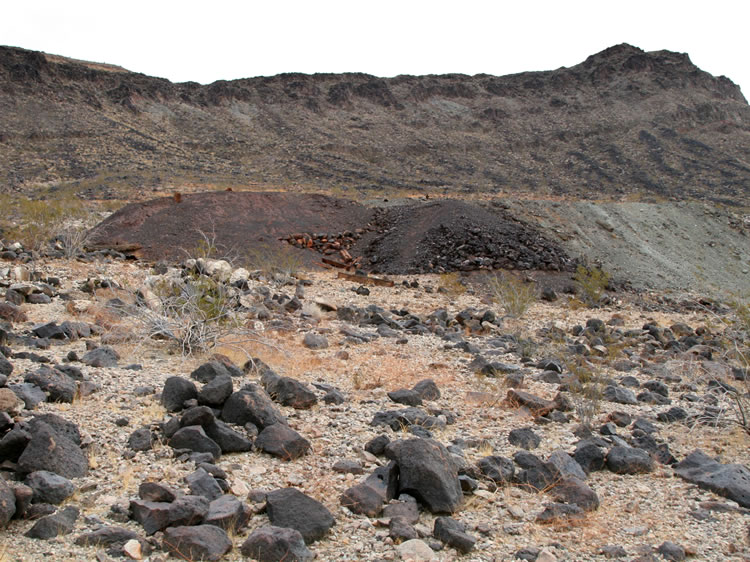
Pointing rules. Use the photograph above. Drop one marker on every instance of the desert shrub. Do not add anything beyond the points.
(194, 313)
(60, 217)
(511, 293)
(592, 282)
(276, 259)
(450, 284)
(586, 388)
(738, 340)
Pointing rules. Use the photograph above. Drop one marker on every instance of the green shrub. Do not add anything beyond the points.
(59, 216)
(586, 389)
(592, 282)
(451, 284)
(512, 294)
(276, 259)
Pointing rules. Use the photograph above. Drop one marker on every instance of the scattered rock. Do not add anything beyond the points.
(524, 438)
(426, 472)
(276, 544)
(200, 542)
(195, 439)
(427, 389)
(50, 526)
(103, 356)
(291, 508)
(216, 392)
(498, 469)
(251, 404)
(315, 341)
(729, 480)
(7, 503)
(176, 392)
(227, 512)
(453, 533)
(58, 386)
(628, 460)
(54, 452)
(671, 551)
(415, 550)
(49, 487)
(363, 500)
(281, 441)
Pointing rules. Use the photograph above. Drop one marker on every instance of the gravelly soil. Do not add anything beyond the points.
(688, 246)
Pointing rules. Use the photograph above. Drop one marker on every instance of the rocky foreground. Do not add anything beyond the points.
(358, 422)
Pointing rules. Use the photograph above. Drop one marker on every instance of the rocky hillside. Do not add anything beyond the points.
(414, 422)
(623, 123)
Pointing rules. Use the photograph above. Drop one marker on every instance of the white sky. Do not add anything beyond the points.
(223, 39)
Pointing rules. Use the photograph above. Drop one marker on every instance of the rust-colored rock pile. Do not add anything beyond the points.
(334, 245)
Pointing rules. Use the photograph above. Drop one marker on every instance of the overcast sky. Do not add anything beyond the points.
(220, 39)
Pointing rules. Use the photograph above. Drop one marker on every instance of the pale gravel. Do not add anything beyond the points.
(658, 501)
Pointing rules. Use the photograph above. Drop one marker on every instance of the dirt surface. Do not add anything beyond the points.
(242, 222)
(437, 236)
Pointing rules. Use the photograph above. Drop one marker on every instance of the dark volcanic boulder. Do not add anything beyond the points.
(103, 356)
(498, 469)
(195, 439)
(729, 480)
(575, 491)
(7, 503)
(453, 533)
(59, 523)
(112, 537)
(58, 424)
(6, 367)
(290, 392)
(276, 544)
(427, 389)
(427, 473)
(226, 512)
(209, 371)
(628, 460)
(201, 483)
(216, 392)
(363, 499)
(289, 507)
(52, 451)
(228, 440)
(251, 404)
(59, 386)
(176, 391)
(282, 441)
(49, 487)
(202, 542)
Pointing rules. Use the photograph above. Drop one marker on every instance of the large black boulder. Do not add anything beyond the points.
(276, 544)
(729, 480)
(427, 473)
(288, 507)
(251, 404)
(52, 451)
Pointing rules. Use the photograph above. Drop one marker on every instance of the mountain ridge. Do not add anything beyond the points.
(624, 123)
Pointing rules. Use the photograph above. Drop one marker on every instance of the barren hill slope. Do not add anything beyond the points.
(622, 122)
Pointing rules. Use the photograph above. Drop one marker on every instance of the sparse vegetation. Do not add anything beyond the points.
(737, 335)
(586, 388)
(275, 260)
(512, 294)
(194, 313)
(60, 216)
(592, 282)
(450, 284)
